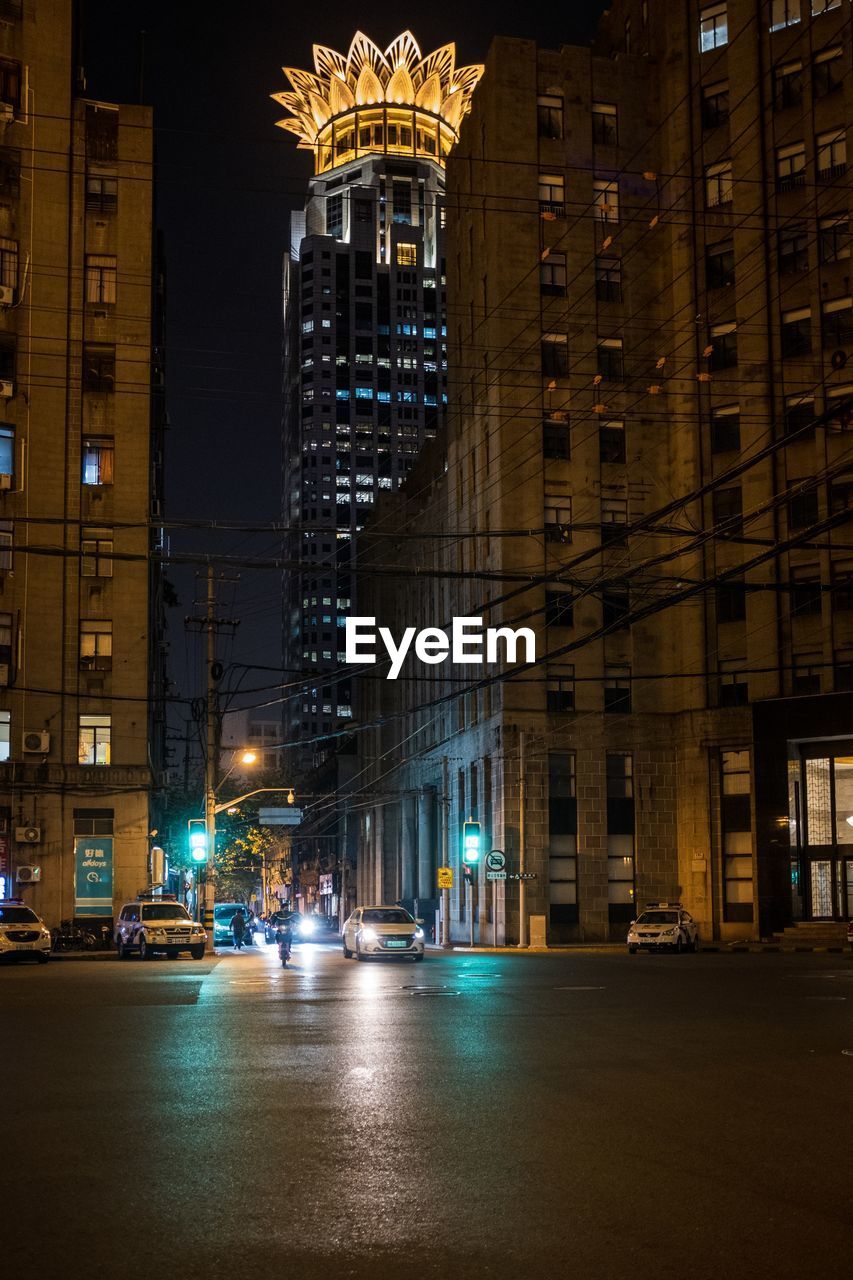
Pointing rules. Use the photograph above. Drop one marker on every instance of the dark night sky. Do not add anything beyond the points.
(226, 179)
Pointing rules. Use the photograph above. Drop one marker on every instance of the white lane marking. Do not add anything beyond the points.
(580, 988)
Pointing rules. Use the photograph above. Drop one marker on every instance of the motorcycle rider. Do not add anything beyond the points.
(284, 938)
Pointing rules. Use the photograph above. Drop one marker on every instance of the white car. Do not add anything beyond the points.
(159, 923)
(663, 925)
(22, 932)
(382, 931)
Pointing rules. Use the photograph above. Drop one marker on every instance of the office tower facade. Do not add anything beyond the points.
(365, 336)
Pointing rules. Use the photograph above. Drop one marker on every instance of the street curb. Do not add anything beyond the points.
(617, 948)
(64, 956)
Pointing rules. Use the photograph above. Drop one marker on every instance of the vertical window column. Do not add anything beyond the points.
(736, 829)
(620, 837)
(563, 828)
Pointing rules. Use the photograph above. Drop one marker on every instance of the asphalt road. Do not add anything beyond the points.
(573, 1115)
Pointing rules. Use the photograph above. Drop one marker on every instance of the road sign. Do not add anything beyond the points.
(445, 877)
(522, 875)
(496, 875)
(495, 860)
(283, 817)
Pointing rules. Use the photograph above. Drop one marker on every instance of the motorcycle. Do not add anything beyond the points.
(284, 947)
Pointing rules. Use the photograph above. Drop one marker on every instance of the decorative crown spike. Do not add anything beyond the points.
(371, 101)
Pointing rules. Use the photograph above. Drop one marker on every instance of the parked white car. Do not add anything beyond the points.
(382, 931)
(161, 923)
(663, 925)
(22, 932)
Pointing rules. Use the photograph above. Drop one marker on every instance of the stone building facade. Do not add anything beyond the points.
(646, 461)
(80, 663)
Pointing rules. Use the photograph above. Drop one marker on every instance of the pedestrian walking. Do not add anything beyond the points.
(238, 928)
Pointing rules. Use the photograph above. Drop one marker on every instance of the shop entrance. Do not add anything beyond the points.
(821, 825)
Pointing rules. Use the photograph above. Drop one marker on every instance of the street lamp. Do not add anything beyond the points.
(242, 755)
(212, 808)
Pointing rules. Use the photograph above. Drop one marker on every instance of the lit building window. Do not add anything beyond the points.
(101, 279)
(7, 454)
(96, 645)
(5, 734)
(605, 199)
(407, 255)
(98, 460)
(9, 264)
(94, 740)
(791, 166)
(718, 184)
(784, 13)
(713, 27)
(552, 194)
(831, 154)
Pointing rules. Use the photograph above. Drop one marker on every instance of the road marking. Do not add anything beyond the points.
(824, 997)
(580, 988)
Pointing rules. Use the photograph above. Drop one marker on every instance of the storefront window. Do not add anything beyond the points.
(818, 802)
(843, 767)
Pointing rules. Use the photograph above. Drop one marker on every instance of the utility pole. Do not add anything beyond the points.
(522, 887)
(210, 768)
(211, 624)
(445, 823)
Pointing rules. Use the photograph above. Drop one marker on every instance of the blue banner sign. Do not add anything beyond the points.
(93, 876)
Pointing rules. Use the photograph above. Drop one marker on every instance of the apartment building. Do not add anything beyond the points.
(81, 460)
(647, 459)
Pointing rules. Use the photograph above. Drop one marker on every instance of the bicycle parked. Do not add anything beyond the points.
(74, 937)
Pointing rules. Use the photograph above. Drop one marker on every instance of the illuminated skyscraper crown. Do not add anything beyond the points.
(397, 102)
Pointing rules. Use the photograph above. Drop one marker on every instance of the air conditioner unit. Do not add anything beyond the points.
(7, 295)
(37, 743)
(28, 875)
(5, 480)
(7, 388)
(28, 835)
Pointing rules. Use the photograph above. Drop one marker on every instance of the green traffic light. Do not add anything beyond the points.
(471, 843)
(197, 829)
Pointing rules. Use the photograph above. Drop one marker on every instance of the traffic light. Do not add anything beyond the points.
(197, 831)
(469, 874)
(470, 843)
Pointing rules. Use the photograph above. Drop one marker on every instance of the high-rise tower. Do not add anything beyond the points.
(365, 355)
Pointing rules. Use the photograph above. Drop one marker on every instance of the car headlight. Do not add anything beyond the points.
(419, 933)
(369, 935)
(307, 926)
